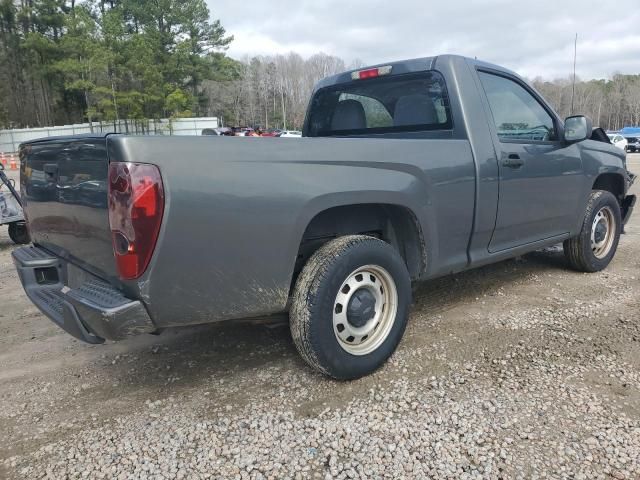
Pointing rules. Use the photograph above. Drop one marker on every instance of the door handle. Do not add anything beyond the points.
(513, 161)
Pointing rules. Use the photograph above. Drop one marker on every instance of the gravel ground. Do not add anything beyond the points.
(522, 369)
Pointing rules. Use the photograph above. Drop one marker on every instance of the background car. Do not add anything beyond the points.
(618, 140)
(290, 134)
(272, 132)
(216, 132)
(242, 131)
(633, 144)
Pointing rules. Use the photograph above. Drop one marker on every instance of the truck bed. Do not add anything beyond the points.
(237, 208)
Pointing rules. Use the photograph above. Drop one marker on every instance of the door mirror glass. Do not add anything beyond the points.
(577, 128)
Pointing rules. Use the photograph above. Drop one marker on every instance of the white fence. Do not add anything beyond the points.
(10, 139)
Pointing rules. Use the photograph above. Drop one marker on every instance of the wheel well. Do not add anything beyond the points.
(394, 224)
(611, 182)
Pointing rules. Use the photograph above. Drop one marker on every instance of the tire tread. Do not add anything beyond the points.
(305, 299)
(575, 248)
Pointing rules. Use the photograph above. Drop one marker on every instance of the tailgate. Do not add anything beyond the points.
(64, 189)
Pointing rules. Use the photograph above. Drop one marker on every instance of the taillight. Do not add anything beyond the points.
(136, 204)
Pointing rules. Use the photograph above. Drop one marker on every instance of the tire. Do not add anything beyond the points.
(334, 324)
(594, 248)
(18, 233)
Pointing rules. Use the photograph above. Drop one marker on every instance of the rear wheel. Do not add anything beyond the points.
(594, 248)
(350, 306)
(18, 233)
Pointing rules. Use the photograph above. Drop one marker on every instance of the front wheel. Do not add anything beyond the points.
(18, 233)
(593, 249)
(350, 306)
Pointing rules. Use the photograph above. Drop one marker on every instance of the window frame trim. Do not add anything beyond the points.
(554, 118)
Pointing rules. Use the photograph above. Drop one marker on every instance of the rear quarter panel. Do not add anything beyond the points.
(237, 209)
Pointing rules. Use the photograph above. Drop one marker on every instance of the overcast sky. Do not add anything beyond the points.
(533, 38)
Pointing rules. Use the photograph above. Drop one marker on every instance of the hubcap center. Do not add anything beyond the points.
(600, 232)
(361, 308)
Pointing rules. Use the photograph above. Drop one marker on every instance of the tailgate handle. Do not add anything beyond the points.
(50, 171)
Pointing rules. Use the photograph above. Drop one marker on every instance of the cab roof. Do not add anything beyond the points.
(410, 66)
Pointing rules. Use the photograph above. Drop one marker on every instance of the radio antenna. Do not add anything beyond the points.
(573, 87)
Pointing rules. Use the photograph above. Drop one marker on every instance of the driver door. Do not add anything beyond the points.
(540, 175)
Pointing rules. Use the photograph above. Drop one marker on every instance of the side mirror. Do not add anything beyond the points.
(577, 128)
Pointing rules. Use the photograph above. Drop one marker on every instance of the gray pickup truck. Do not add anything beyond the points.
(407, 171)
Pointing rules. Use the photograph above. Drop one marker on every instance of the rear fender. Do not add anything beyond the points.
(423, 215)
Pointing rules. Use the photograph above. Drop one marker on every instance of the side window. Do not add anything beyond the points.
(516, 113)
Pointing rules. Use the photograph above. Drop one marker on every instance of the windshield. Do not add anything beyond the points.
(398, 103)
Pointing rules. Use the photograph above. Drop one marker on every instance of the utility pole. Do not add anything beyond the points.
(573, 87)
(115, 105)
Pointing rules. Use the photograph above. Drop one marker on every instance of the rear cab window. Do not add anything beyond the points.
(388, 104)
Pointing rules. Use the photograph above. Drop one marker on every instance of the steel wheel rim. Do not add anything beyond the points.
(364, 339)
(603, 232)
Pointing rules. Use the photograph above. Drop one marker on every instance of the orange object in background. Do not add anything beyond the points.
(3, 159)
(13, 164)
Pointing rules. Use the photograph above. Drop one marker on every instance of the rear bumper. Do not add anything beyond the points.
(91, 311)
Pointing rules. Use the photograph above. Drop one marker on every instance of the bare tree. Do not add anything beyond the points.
(612, 103)
(273, 91)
